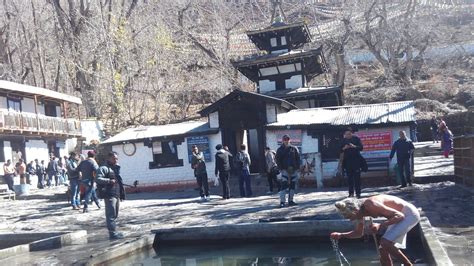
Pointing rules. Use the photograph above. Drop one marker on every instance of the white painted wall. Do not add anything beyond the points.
(36, 149)
(7, 150)
(214, 120)
(136, 167)
(271, 113)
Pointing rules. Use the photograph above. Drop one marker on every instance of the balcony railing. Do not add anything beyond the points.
(28, 122)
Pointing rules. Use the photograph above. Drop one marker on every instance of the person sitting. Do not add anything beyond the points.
(401, 217)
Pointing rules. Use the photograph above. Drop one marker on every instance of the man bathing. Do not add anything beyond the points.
(401, 217)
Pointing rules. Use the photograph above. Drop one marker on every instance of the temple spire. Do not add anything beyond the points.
(278, 16)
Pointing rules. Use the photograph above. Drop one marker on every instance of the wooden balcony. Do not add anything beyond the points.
(29, 123)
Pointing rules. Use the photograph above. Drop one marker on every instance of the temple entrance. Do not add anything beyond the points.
(242, 117)
(233, 138)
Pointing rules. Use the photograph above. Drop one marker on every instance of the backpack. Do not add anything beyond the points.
(239, 161)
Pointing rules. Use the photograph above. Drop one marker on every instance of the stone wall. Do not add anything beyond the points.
(464, 159)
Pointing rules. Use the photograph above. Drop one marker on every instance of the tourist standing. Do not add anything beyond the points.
(351, 161)
(404, 149)
(40, 173)
(71, 167)
(243, 166)
(401, 216)
(198, 163)
(22, 171)
(288, 160)
(8, 174)
(110, 184)
(272, 169)
(30, 172)
(447, 141)
(223, 170)
(88, 171)
(434, 129)
(52, 171)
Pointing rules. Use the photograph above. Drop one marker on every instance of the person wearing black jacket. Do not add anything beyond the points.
(198, 163)
(40, 173)
(110, 188)
(71, 166)
(404, 149)
(223, 169)
(351, 161)
(288, 161)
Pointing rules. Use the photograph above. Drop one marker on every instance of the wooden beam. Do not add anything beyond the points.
(65, 110)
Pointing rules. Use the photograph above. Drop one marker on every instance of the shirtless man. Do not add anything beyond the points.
(401, 217)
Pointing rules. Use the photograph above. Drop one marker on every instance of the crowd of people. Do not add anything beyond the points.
(282, 170)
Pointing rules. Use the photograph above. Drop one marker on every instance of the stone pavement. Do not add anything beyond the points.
(448, 206)
(429, 161)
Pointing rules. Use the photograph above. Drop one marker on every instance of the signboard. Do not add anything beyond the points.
(376, 144)
(202, 142)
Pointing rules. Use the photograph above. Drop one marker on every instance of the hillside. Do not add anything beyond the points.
(153, 62)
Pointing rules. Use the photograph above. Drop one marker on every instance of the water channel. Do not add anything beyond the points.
(279, 252)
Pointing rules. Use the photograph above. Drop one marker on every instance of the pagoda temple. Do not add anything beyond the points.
(285, 70)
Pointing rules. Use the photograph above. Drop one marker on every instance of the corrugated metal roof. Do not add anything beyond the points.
(395, 112)
(17, 87)
(145, 132)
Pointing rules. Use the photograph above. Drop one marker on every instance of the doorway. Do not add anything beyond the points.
(18, 150)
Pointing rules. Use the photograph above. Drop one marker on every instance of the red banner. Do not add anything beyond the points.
(376, 141)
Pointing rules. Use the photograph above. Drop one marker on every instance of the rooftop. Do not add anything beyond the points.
(147, 132)
(370, 114)
(239, 94)
(298, 33)
(313, 61)
(27, 90)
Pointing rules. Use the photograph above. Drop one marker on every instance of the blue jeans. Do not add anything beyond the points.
(90, 194)
(244, 180)
(52, 179)
(111, 213)
(75, 200)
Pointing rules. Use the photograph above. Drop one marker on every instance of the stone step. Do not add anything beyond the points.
(10, 195)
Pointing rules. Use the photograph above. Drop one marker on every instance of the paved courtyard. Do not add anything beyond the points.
(447, 205)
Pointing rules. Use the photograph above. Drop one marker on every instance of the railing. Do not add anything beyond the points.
(38, 123)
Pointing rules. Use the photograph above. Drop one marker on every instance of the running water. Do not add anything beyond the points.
(339, 255)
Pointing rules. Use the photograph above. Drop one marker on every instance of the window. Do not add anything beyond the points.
(165, 154)
(273, 42)
(50, 109)
(14, 104)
